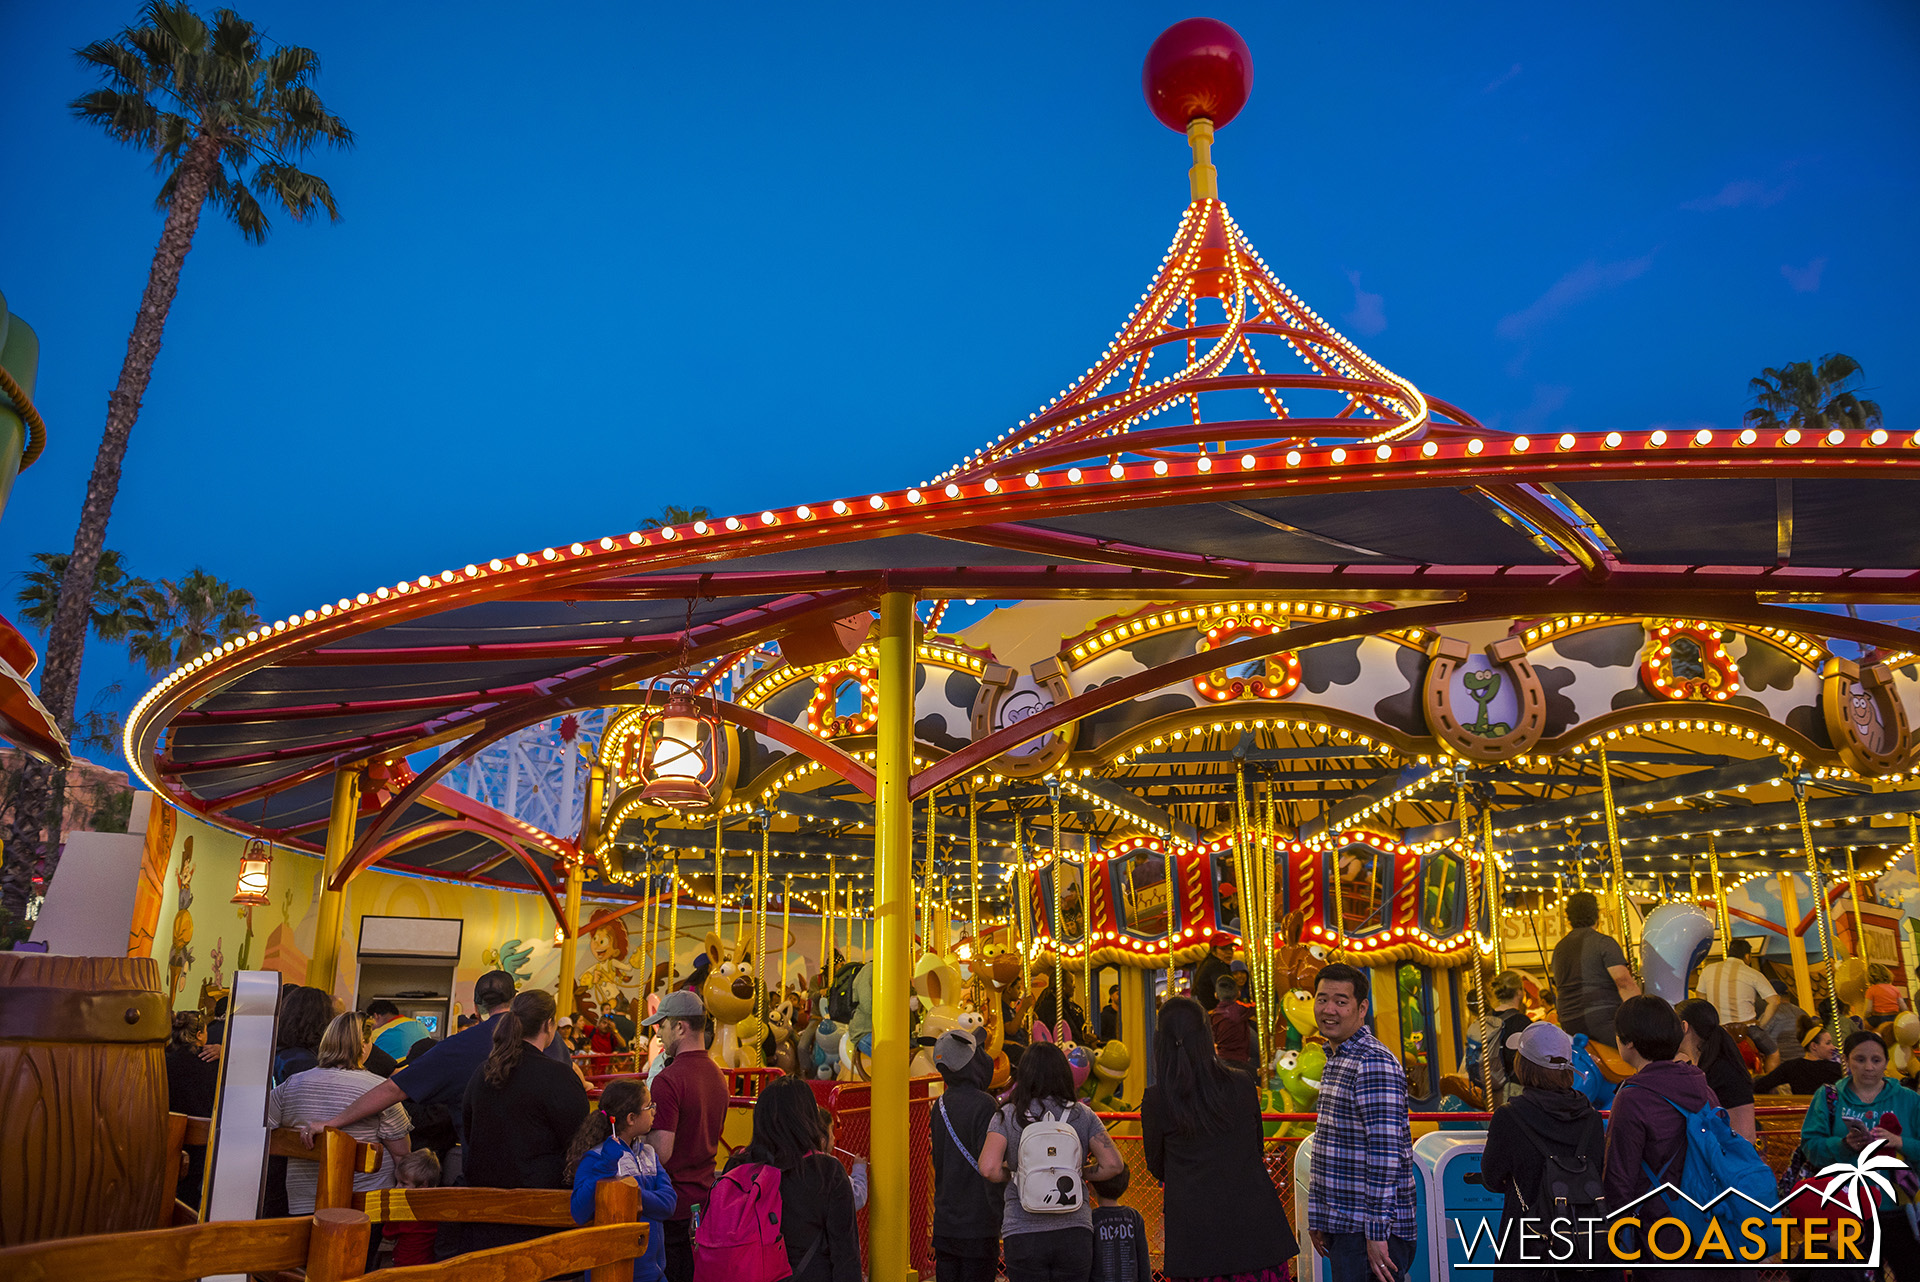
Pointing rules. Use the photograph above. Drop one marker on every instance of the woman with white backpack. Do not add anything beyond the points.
(1045, 1146)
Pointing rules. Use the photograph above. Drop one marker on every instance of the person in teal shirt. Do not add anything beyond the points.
(393, 1039)
(1884, 1110)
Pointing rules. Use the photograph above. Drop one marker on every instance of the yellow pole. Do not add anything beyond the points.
(1023, 910)
(826, 923)
(1796, 942)
(1719, 895)
(673, 923)
(1853, 893)
(569, 945)
(761, 995)
(1203, 180)
(1173, 910)
(1054, 919)
(1619, 864)
(1494, 895)
(1087, 1003)
(786, 924)
(720, 879)
(973, 868)
(888, 1217)
(1478, 898)
(322, 972)
(1823, 920)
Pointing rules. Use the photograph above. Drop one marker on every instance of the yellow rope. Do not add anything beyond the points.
(1053, 924)
(673, 929)
(1719, 895)
(1619, 865)
(1820, 916)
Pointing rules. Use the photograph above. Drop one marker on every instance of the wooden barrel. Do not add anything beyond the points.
(83, 1096)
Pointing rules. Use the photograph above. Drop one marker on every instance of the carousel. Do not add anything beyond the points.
(1265, 648)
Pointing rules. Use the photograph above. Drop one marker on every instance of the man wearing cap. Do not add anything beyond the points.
(689, 1109)
(439, 1076)
(966, 1206)
(1548, 1117)
(1206, 976)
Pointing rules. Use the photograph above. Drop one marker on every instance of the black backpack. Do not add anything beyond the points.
(840, 993)
(1570, 1184)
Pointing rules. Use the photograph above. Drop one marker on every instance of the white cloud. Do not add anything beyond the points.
(1583, 282)
(1502, 78)
(1744, 191)
(1804, 279)
(1369, 314)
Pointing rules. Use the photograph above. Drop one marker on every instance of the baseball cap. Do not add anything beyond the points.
(954, 1051)
(495, 988)
(1238, 968)
(1544, 1044)
(679, 1004)
(565, 1021)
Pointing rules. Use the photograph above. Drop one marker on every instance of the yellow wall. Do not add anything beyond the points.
(213, 932)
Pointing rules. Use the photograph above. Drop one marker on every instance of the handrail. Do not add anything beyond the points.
(198, 1250)
(540, 1208)
(331, 1245)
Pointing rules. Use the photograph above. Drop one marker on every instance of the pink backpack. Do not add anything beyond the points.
(739, 1236)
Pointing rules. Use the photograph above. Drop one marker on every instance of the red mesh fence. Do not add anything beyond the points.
(1778, 1133)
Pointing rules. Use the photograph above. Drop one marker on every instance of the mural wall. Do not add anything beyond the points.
(202, 938)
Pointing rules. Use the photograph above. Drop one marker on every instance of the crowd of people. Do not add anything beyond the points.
(1028, 1183)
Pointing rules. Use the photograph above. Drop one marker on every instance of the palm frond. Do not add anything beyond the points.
(298, 191)
(240, 207)
(126, 116)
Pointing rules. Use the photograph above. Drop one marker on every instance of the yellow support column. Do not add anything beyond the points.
(888, 1217)
(325, 966)
(571, 926)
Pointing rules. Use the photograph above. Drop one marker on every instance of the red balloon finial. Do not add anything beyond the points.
(1199, 68)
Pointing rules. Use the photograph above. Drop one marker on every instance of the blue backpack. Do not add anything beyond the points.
(1717, 1161)
(1587, 1077)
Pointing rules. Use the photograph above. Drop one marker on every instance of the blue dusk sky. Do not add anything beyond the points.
(597, 258)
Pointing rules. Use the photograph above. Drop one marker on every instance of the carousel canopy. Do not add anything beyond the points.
(1237, 551)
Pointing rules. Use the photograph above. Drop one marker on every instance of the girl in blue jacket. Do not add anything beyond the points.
(607, 1146)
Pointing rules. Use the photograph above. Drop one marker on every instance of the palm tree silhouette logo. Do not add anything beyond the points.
(1848, 1180)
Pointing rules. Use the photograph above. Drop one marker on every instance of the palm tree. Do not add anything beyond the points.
(671, 515)
(115, 593)
(177, 621)
(1813, 397)
(224, 118)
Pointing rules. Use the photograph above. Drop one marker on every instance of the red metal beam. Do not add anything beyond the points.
(709, 639)
(1081, 547)
(502, 652)
(579, 694)
(432, 829)
(352, 708)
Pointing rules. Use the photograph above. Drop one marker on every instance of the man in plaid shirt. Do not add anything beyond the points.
(1360, 1192)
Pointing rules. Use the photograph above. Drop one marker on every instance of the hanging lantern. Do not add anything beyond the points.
(677, 754)
(251, 888)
